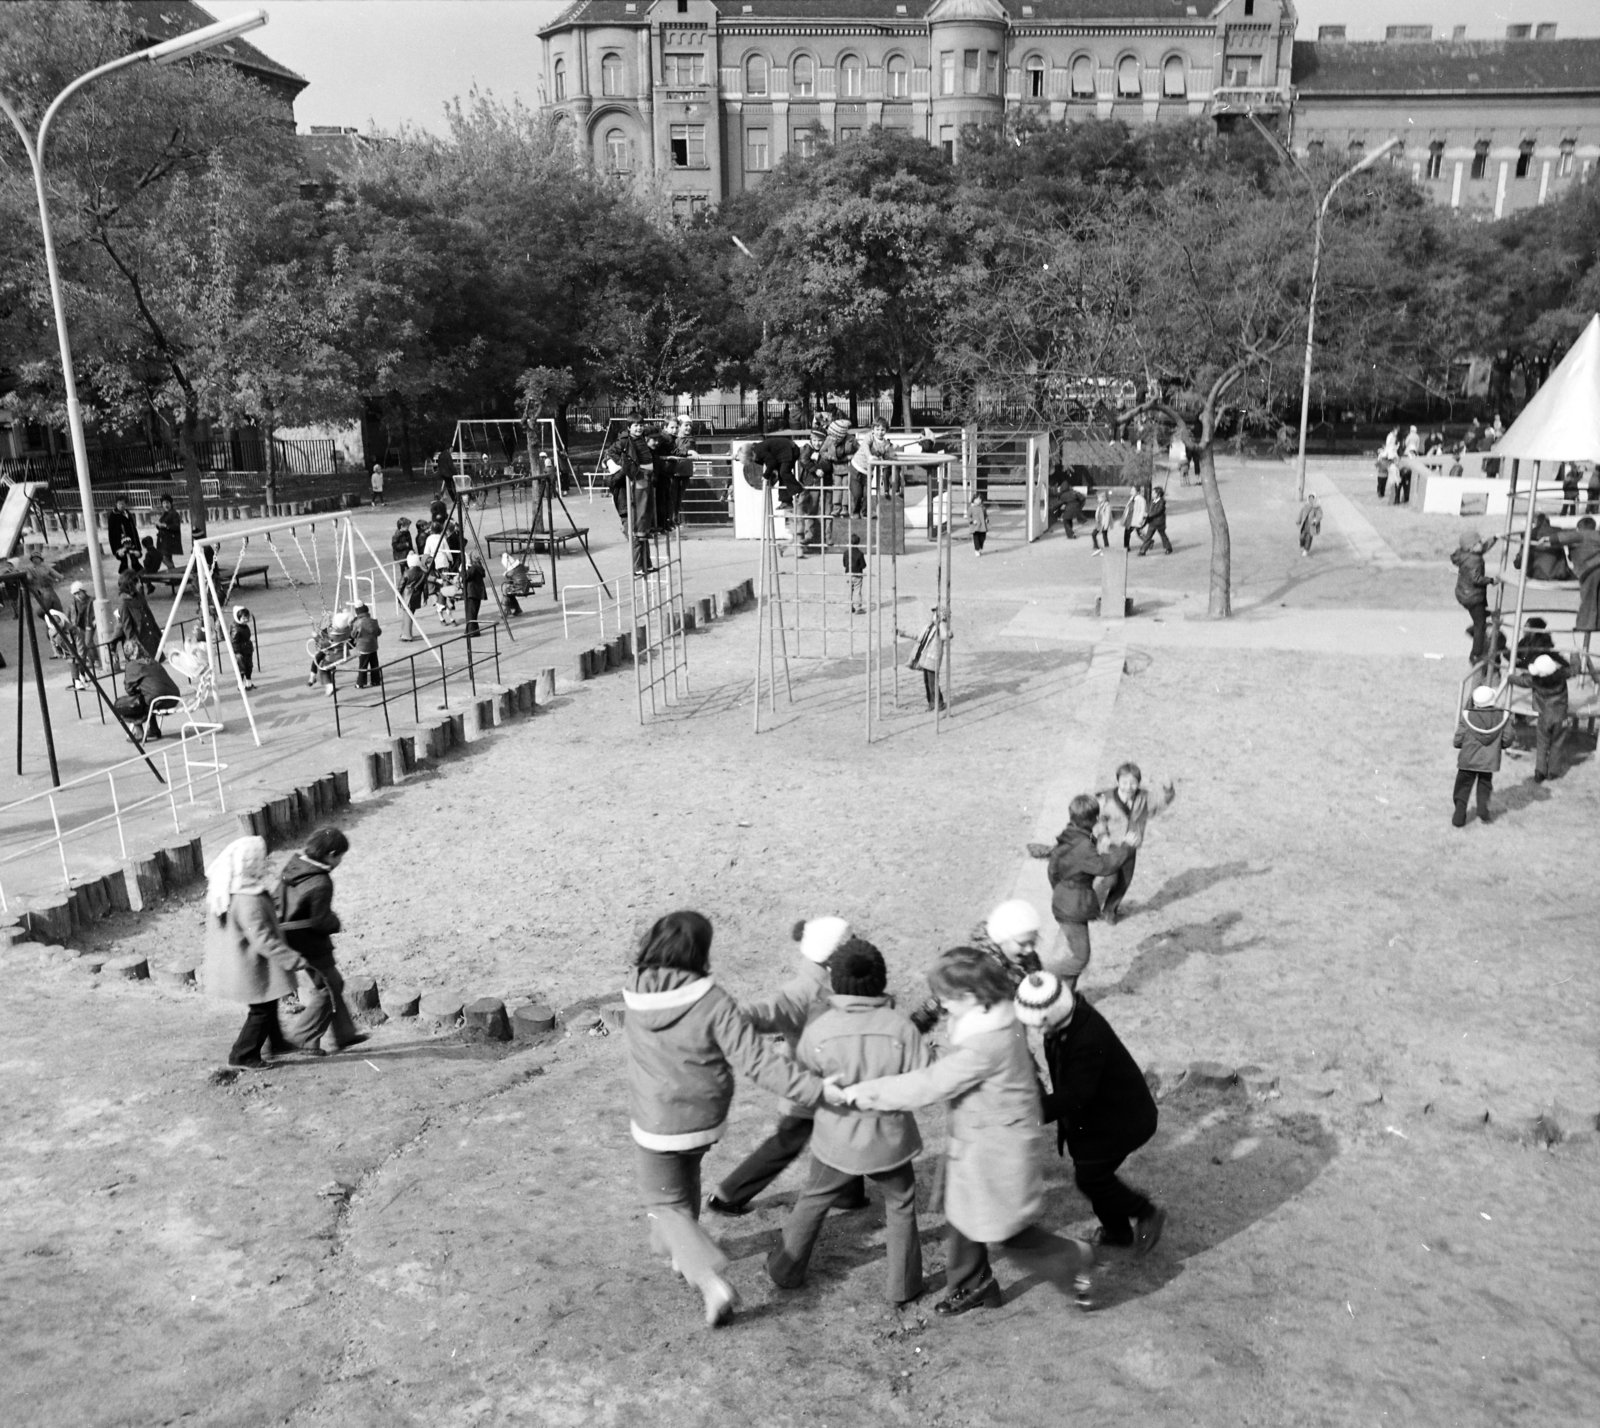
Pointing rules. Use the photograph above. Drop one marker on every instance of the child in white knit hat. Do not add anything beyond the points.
(786, 1013)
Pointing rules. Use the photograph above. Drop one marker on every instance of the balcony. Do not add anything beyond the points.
(1251, 99)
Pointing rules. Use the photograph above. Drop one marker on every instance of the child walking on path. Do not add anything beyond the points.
(1125, 810)
(1101, 1105)
(1310, 522)
(1100, 537)
(978, 520)
(861, 1037)
(787, 1013)
(1075, 862)
(926, 655)
(307, 920)
(994, 1182)
(1479, 736)
(685, 1036)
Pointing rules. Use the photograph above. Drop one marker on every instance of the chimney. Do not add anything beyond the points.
(1407, 34)
(1546, 31)
(1459, 33)
(1519, 32)
(1330, 34)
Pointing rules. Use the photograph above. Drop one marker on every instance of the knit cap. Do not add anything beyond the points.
(857, 970)
(1544, 666)
(1012, 921)
(839, 427)
(1042, 997)
(820, 937)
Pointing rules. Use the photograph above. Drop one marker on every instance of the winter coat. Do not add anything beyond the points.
(855, 560)
(121, 530)
(1134, 512)
(1125, 823)
(1546, 560)
(1098, 1099)
(305, 907)
(1479, 735)
(247, 959)
(1156, 517)
(978, 516)
(475, 585)
(862, 1039)
(400, 545)
(148, 682)
(1585, 547)
(1073, 867)
(1549, 690)
(169, 533)
(241, 639)
(994, 1186)
(1311, 518)
(1472, 581)
(82, 617)
(1072, 503)
(787, 1012)
(776, 456)
(925, 654)
(1102, 516)
(137, 628)
(364, 632)
(685, 1037)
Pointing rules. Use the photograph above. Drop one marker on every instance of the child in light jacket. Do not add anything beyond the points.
(685, 1036)
(860, 1037)
(1480, 733)
(787, 1013)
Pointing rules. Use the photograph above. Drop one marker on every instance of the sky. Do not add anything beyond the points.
(393, 62)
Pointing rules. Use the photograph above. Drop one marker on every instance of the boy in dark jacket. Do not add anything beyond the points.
(474, 590)
(1546, 677)
(1472, 588)
(855, 569)
(242, 638)
(307, 920)
(122, 533)
(1101, 1106)
(1075, 863)
(859, 1038)
(1479, 735)
(364, 632)
(169, 533)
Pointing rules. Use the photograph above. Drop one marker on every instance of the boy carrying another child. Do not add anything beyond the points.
(860, 1038)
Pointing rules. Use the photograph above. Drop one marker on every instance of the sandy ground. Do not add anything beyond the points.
(477, 1259)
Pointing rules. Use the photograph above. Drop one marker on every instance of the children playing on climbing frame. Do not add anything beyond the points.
(855, 567)
(330, 647)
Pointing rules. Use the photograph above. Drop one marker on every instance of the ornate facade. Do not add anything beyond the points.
(710, 94)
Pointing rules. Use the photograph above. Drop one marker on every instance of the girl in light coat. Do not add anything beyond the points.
(994, 1181)
(685, 1036)
(247, 959)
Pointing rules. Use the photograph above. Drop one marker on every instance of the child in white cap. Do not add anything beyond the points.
(1101, 1105)
(786, 1013)
(1480, 734)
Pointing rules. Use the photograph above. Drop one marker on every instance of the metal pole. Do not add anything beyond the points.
(763, 605)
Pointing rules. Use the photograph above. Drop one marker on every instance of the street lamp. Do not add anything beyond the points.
(1311, 308)
(167, 52)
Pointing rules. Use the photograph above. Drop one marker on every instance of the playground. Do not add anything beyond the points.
(1383, 1218)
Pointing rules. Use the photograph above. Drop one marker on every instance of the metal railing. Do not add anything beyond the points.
(438, 653)
(602, 597)
(195, 767)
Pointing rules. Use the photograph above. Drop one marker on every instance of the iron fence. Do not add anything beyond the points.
(438, 652)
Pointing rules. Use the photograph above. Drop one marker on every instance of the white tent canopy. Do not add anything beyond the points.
(1562, 422)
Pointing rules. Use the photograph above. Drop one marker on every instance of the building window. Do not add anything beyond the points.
(1083, 78)
(1436, 159)
(899, 71)
(1033, 77)
(947, 72)
(1249, 7)
(805, 142)
(757, 151)
(1564, 164)
(1174, 78)
(755, 75)
(991, 71)
(1243, 71)
(611, 74)
(1525, 158)
(683, 69)
(849, 77)
(1127, 78)
(688, 146)
(1480, 158)
(803, 77)
(947, 142)
(619, 152)
(559, 78)
(688, 205)
(970, 73)
(849, 134)
(683, 7)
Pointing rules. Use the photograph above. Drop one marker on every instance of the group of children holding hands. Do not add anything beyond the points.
(855, 1070)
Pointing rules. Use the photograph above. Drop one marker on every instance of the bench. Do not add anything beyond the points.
(224, 578)
(522, 542)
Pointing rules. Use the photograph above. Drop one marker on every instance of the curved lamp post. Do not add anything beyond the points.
(1311, 310)
(167, 52)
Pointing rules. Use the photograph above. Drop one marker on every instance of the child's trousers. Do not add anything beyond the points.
(1033, 1250)
(1465, 778)
(669, 1188)
(1071, 963)
(826, 1188)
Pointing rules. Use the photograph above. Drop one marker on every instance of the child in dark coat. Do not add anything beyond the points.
(1480, 735)
(855, 569)
(242, 638)
(1075, 862)
(307, 921)
(364, 632)
(1101, 1105)
(1546, 677)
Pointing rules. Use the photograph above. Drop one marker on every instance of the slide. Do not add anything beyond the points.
(14, 512)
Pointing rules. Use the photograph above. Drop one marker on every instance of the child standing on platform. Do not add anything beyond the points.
(242, 638)
(787, 1013)
(860, 1037)
(685, 1036)
(855, 569)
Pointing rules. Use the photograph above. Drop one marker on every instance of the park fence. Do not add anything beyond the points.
(403, 677)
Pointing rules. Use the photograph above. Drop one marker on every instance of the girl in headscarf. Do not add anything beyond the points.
(247, 959)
